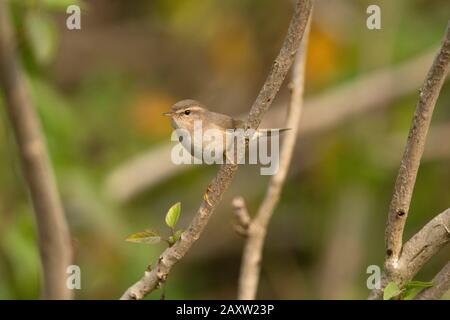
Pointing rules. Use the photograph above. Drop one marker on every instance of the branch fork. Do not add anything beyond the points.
(221, 181)
(402, 262)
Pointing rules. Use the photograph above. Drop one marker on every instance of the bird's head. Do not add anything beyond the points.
(185, 112)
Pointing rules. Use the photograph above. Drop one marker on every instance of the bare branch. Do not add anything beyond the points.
(257, 230)
(404, 185)
(152, 279)
(441, 284)
(400, 266)
(417, 251)
(53, 233)
(424, 244)
(281, 64)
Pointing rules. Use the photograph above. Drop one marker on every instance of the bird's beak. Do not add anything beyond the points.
(168, 114)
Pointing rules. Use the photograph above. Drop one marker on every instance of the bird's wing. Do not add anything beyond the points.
(221, 120)
(274, 130)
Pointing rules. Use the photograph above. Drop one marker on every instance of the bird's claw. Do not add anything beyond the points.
(206, 197)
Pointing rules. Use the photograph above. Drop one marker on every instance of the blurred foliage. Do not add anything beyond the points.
(100, 93)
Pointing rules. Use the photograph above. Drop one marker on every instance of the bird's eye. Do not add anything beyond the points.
(187, 112)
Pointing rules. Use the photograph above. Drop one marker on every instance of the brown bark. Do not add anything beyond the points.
(441, 284)
(406, 178)
(152, 279)
(257, 229)
(403, 262)
(53, 233)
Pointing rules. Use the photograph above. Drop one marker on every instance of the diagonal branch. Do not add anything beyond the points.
(257, 229)
(425, 244)
(417, 251)
(441, 284)
(404, 185)
(152, 279)
(53, 233)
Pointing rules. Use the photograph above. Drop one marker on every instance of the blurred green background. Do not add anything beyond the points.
(100, 92)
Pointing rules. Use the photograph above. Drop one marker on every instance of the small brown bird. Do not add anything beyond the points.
(186, 114)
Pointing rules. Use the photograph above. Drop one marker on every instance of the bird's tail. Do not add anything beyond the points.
(271, 132)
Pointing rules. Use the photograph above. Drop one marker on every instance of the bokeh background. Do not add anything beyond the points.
(100, 92)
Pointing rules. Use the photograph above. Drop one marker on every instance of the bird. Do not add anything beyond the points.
(189, 114)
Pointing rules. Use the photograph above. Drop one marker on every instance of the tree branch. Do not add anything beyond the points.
(281, 64)
(441, 284)
(152, 279)
(400, 266)
(424, 244)
(53, 233)
(417, 251)
(404, 185)
(257, 230)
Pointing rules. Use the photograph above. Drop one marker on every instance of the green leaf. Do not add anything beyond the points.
(146, 237)
(418, 284)
(174, 238)
(177, 235)
(412, 288)
(410, 293)
(173, 214)
(391, 291)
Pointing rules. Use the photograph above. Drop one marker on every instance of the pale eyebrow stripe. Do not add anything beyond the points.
(193, 108)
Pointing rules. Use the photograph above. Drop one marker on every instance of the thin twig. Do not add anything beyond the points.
(441, 284)
(257, 230)
(152, 279)
(404, 185)
(53, 233)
